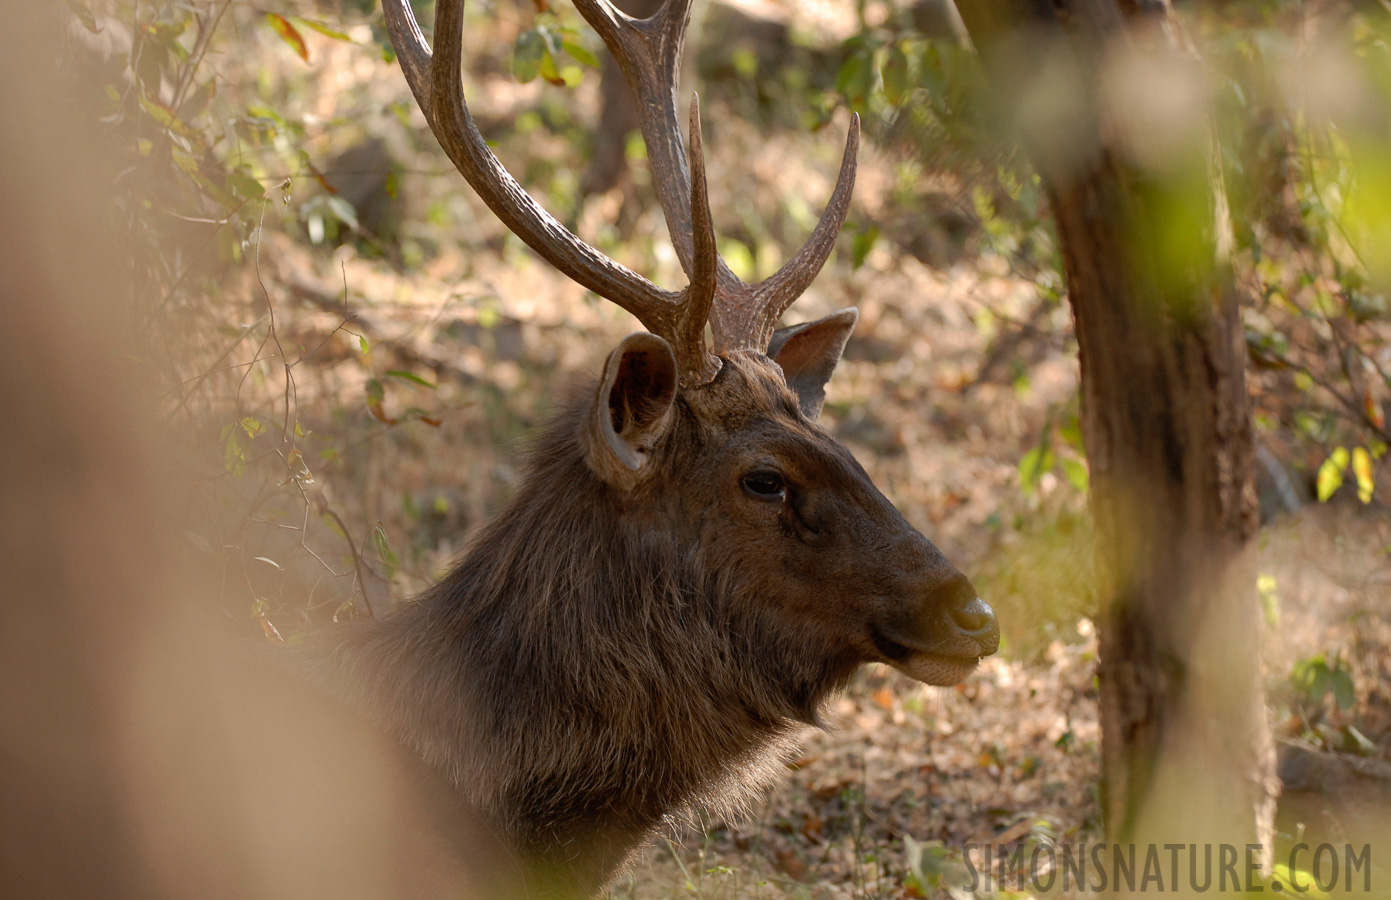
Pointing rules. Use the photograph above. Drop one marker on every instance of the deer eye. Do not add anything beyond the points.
(765, 484)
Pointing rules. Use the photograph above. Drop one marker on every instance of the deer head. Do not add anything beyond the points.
(714, 444)
(722, 438)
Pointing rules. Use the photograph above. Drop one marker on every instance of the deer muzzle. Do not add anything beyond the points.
(940, 639)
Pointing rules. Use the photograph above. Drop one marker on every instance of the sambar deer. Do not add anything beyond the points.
(690, 566)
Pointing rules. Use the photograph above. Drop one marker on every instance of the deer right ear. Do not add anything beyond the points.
(808, 353)
(632, 410)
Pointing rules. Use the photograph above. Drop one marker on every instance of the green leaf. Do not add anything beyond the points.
(1343, 690)
(216, 191)
(580, 53)
(165, 117)
(1033, 466)
(1076, 473)
(252, 426)
(411, 377)
(1330, 476)
(244, 186)
(548, 70)
(323, 29)
(1270, 600)
(862, 244)
(530, 49)
(289, 34)
(383, 547)
(897, 77)
(184, 160)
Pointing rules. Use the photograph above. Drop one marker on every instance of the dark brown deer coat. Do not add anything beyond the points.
(604, 659)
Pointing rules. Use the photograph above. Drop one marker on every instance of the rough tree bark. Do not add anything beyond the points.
(1185, 744)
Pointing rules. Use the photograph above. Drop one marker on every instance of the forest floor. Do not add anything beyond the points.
(954, 374)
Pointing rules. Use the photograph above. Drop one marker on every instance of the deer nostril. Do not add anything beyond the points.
(973, 617)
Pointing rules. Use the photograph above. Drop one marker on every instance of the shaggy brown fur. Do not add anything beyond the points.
(602, 660)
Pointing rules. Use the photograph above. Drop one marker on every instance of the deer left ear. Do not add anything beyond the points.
(808, 354)
(632, 411)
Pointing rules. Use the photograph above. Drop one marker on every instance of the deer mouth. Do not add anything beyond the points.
(927, 666)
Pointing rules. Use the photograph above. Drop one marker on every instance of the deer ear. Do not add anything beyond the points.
(632, 410)
(808, 354)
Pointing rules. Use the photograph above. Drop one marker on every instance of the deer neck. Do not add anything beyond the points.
(585, 695)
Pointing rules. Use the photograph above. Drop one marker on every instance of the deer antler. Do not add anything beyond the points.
(742, 316)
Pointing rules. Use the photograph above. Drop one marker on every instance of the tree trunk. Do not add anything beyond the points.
(1186, 752)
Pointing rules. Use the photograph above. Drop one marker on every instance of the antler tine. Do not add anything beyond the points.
(746, 319)
(648, 50)
(699, 296)
(436, 80)
(649, 53)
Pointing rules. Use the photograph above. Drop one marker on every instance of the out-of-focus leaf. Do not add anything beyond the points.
(1342, 687)
(383, 546)
(289, 34)
(580, 53)
(215, 191)
(376, 401)
(244, 186)
(198, 100)
(1270, 600)
(84, 15)
(527, 55)
(403, 375)
(271, 632)
(1362, 468)
(547, 69)
(325, 30)
(164, 116)
(297, 468)
(897, 76)
(234, 456)
(198, 541)
(416, 414)
(344, 211)
(1354, 741)
(1032, 467)
(1076, 473)
(862, 244)
(314, 171)
(184, 160)
(1330, 476)
(1373, 409)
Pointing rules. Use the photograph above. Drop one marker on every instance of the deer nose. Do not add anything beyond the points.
(975, 618)
(972, 615)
